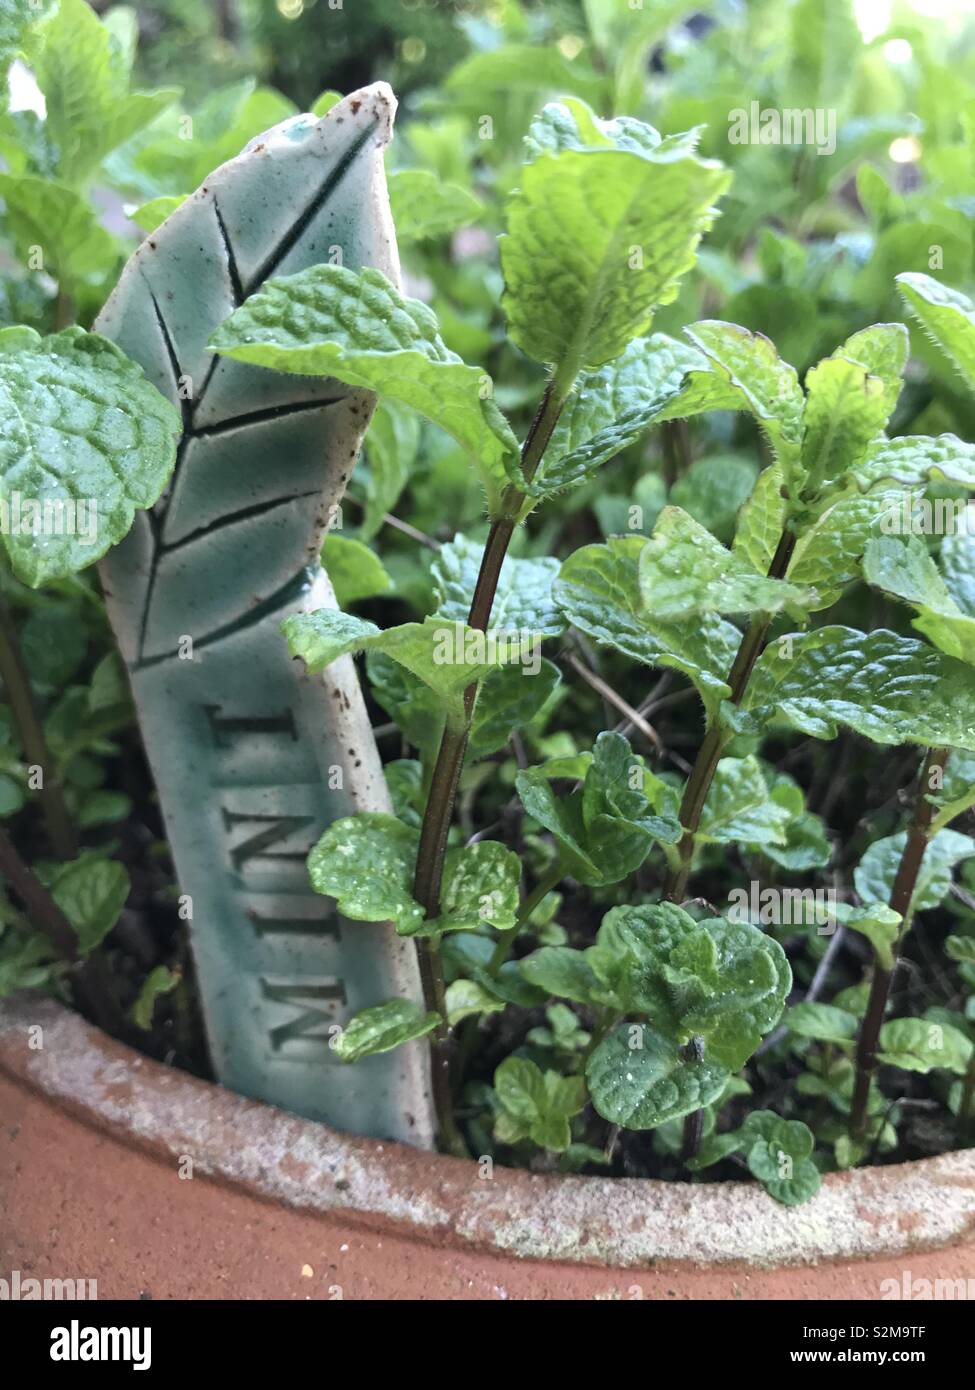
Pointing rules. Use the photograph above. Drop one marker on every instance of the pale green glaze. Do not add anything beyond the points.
(252, 757)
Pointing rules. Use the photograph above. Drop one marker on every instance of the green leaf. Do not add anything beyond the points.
(366, 863)
(846, 408)
(917, 459)
(154, 213)
(415, 709)
(607, 827)
(748, 374)
(598, 590)
(891, 689)
(51, 218)
(946, 316)
(507, 702)
(355, 571)
(915, 1044)
(957, 791)
(902, 567)
(445, 656)
(566, 973)
(90, 110)
(724, 982)
(611, 407)
(961, 948)
(829, 553)
(597, 239)
(381, 1028)
(466, 999)
(822, 1023)
(713, 490)
(392, 444)
(883, 350)
(80, 423)
(684, 571)
(423, 206)
(880, 925)
(569, 124)
(762, 519)
(739, 806)
(523, 599)
(91, 893)
(16, 17)
(778, 1154)
(642, 1086)
(958, 568)
(357, 327)
(160, 980)
(536, 1105)
(874, 876)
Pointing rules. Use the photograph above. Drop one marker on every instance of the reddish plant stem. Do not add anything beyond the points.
(16, 682)
(89, 979)
(901, 895)
(702, 775)
(449, 765)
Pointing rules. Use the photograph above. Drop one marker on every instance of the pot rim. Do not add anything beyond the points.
(615, 1222)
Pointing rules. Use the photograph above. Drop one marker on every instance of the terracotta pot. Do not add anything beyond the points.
(97, 1145)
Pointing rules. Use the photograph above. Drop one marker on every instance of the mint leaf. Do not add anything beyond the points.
(607, 827)
(891, 689)
(160, 980)
(507, 702)
(90, 110)
(644, 1085)
(611, 407)
(381, 1028)
(778, 1155)
(366, 863)
(821, 1023)
(357, 327)
(902, 567)
(85, 434)
(739, 806)
(536, 1105)
(445, 656)
(91, 893)
(597, 239)
(354, 570)
(762, 519)
(846, 409)
(829, 553)
(598, 590)
(685, 571)
(916, 1044)
(423, 206)
(750, 375)
(874, 876)
(523, 599)
(947, 317)
(880, 925)
(917, 459)
(76, 248)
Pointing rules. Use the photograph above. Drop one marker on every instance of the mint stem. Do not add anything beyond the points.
(702, 775)
(450, 761)
(90, 982)
(13, 671)
(901, 894)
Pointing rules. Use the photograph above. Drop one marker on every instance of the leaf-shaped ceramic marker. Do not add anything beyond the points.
(252, 756)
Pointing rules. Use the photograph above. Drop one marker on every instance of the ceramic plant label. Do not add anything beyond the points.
(252, 757)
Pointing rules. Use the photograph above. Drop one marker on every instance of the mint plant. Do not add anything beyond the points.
(678, 1002)
(649, 672)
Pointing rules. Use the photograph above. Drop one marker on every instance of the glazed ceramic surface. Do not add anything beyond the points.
(252, 757)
